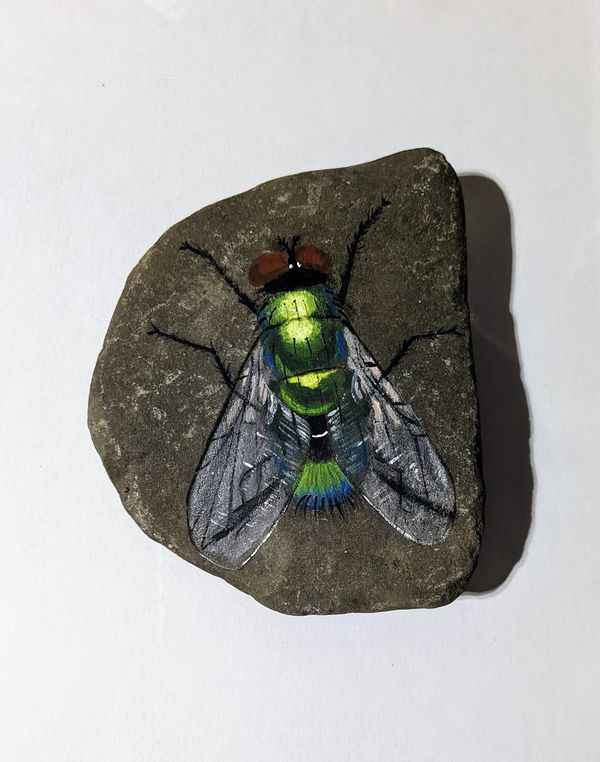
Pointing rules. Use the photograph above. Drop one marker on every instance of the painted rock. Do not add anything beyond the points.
(285, 396)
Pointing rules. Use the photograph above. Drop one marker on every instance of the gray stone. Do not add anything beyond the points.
(153, 402)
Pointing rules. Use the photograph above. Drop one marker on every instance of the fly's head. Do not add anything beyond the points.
(290, 268)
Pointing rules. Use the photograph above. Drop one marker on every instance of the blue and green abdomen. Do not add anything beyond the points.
(303, 343)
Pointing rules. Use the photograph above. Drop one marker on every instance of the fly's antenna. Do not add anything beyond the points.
(289, 246)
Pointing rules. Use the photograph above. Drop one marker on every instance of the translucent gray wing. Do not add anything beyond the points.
(348, 426)
(245, 477)
(407, 483)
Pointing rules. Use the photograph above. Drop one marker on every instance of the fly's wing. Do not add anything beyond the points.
(348, 426)
(407, 483)
(248, 469)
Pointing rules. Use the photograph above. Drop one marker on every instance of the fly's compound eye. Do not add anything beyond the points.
(267, 267)
(273, 264)
(313, 259)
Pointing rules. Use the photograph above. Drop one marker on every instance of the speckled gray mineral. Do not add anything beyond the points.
(155, 399)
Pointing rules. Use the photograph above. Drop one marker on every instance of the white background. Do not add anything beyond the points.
(120, 118)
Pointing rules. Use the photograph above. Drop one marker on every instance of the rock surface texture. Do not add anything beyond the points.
(154, 402)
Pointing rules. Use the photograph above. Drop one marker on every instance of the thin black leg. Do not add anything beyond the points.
(403, 349)
(356, 244)
(208, 257)
(220, 365)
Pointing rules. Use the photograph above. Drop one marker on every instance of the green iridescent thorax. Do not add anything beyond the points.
(303, 342)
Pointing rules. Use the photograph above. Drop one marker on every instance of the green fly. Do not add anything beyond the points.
(311, 420)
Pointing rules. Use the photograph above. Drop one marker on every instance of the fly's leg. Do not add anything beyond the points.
(242, 297)
(356, 245)
(404, 348)
(208, 349)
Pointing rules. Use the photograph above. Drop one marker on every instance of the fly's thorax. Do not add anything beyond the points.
(303, 344)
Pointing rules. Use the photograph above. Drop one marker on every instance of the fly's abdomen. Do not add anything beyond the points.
(303, 342)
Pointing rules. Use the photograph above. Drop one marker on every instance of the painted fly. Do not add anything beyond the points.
(311, 419)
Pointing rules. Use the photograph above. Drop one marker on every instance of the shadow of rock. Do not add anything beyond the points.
(505, 426)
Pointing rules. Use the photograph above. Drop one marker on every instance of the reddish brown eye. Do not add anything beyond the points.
(314, 259)
(267, 267)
